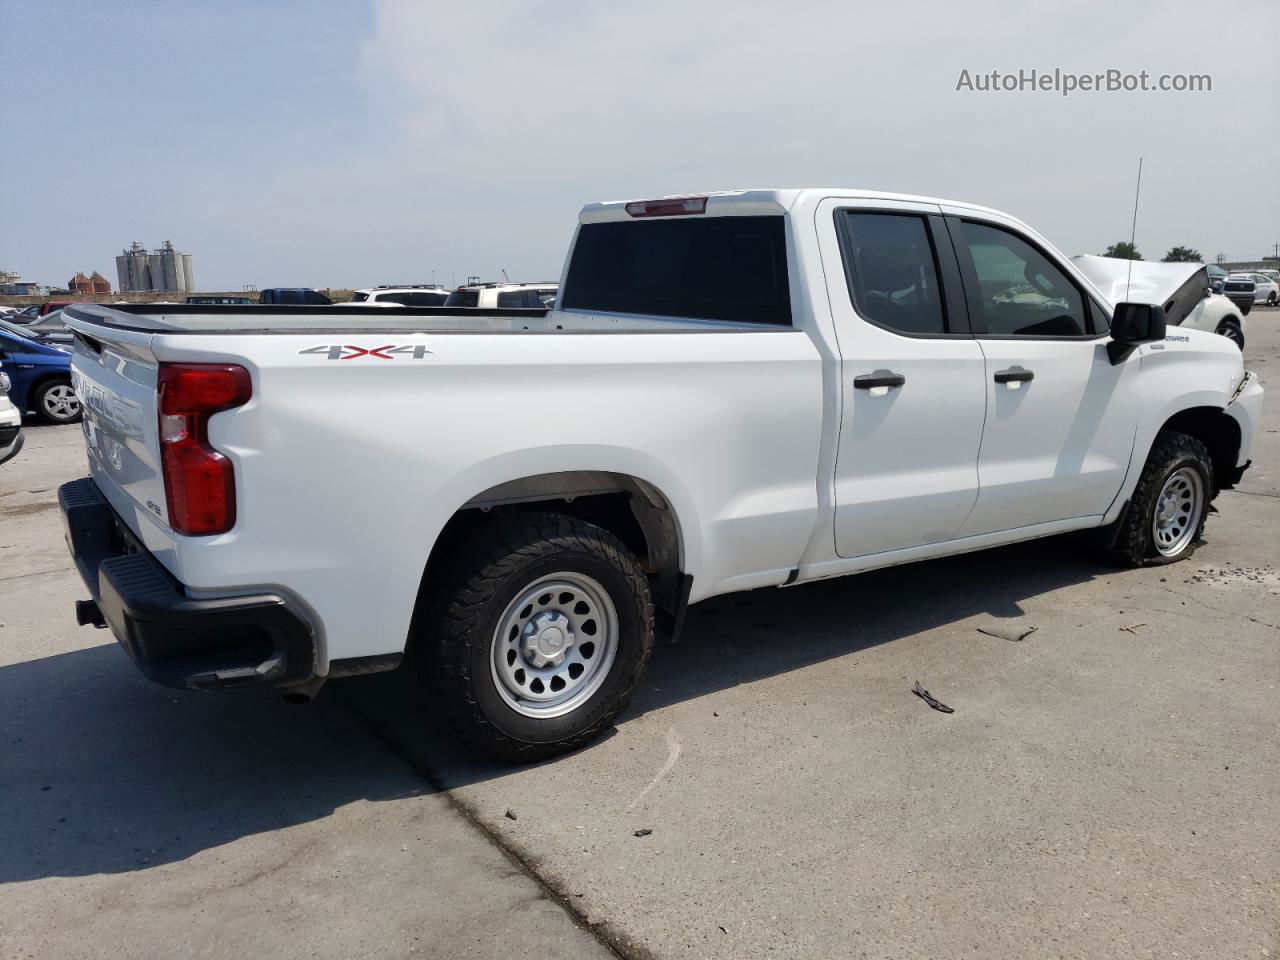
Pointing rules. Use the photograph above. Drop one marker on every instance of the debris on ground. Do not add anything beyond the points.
(930, 699)
(510, 814)
(644, 832)
(1014, 633)
(1133, 627)
(1219, 576)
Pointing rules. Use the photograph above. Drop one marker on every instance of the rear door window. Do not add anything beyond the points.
(463, 298)
(892, 271)
(708, 268)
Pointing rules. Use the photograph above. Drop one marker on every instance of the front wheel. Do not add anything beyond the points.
(1271, 299)
(1167, 511)
(1231, 330)
(535, 645)
(56, 402)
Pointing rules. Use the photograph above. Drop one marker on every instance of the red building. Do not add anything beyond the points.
(89, 285)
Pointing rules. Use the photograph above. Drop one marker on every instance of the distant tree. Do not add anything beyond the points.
(1182, 255)
(1123, 250)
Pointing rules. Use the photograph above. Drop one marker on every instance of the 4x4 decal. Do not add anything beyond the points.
(345, 351)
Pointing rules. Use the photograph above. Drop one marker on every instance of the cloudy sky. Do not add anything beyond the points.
(337, 143)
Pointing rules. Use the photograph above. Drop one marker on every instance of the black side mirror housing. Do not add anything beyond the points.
(1134, 324)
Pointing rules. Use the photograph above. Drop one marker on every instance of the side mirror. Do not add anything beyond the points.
(1134, 324)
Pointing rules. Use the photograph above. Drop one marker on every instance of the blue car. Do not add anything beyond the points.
(40, 374)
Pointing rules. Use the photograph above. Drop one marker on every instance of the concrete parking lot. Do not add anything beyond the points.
(1108, 786)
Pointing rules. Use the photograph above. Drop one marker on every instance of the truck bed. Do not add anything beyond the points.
(177, 318)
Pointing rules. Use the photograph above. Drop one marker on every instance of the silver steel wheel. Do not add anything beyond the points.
(60, 402)
(554, 645)
(1178, 510)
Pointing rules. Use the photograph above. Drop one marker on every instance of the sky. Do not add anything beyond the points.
(343, 143)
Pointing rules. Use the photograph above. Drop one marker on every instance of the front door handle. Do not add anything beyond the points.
(881, 378)
(1014, 375)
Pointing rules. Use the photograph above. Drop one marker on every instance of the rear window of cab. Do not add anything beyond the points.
(703, 268)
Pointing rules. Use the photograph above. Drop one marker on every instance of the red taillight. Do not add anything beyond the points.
(670, 207)
(199, 482)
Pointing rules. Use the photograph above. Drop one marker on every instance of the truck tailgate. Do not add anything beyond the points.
(114, 375)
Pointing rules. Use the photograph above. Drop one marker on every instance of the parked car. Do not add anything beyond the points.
(740, 390)
(411, 295)
(504, 296)
(10, 423)
(1217, 276)
(1265, 290)
(298, 296)
(25, 315)
(51, 326)
(1184, 289)
(206, 300)
(1272, 275)
(39, 372)
(47, 308)
(1241, 291)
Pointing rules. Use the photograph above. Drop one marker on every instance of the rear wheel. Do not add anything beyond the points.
(1167, 511)
(56, 402)
(534, 646)
(1231, 330)
(1271, 299)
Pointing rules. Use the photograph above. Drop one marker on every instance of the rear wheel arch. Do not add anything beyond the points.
(632, 509)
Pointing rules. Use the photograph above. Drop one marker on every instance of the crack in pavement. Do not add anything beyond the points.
(35, 573)
(1210, 606)
(603, 932)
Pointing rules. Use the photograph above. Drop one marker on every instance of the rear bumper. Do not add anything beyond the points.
(208, 643)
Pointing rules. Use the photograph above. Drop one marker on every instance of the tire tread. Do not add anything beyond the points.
(479, 566)
(1132, 544)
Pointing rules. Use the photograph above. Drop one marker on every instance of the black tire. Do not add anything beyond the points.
(1271, 300)
(1131, 539)
(50, 404)
(1231, 330)
(454, 642)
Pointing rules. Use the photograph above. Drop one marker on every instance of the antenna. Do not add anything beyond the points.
(1133, 234)
(504, 275)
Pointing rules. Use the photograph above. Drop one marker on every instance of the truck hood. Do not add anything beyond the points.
(1178, 287)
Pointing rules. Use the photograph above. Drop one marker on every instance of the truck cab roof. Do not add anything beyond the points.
(751, 202)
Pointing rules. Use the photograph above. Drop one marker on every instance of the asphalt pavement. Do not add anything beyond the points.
(1108, 786)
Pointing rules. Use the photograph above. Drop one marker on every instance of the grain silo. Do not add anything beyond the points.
(164, 269)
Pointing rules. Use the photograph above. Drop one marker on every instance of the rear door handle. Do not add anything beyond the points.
(881, 378)
(1014, 375)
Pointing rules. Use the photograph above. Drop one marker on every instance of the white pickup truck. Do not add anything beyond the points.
(740, 390)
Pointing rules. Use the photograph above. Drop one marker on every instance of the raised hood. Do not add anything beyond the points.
(1178, 287)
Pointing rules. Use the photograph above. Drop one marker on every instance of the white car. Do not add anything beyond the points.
(505, 296)
(1185, 284)
(739, 390)
(10, 423)
(1265, 289)
(424, 295)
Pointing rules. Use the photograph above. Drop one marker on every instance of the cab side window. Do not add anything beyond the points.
(892, 272)
(1018, 291)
